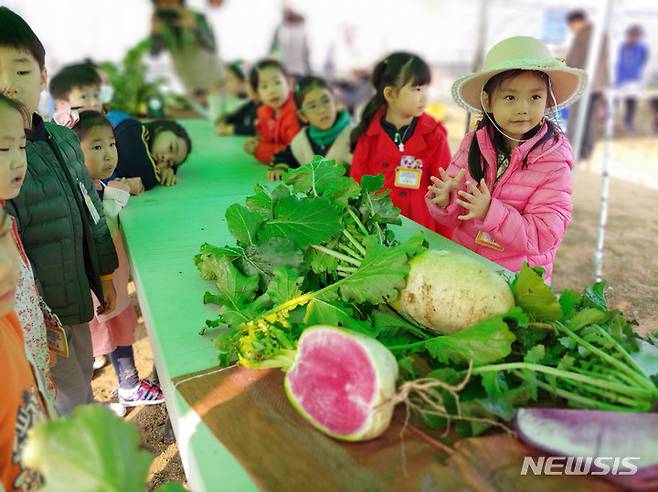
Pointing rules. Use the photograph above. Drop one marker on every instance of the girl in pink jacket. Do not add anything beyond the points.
(507, 191)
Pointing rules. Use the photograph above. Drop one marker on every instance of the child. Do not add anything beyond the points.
(58, 214)
(75, 87)
(151, 151)
(238, 120)
(13, 165)
(519, 158)
(20, 406)
(113, 333)
(327, 133)
(396, 138)
(191, 43)
(277, 121)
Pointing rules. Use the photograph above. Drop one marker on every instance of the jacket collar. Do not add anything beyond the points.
(424, 124)
(38, 131)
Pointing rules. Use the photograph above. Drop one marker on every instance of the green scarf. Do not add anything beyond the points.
(326, 137)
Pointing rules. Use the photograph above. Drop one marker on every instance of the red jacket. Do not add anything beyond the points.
(376, 153)
(275, 132)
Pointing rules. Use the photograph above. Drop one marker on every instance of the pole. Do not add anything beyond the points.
(607, 149)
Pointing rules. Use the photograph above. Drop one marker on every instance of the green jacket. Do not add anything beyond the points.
(68, 251)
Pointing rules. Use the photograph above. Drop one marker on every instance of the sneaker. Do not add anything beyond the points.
(142, 394)
(99, 362)
(117, 409)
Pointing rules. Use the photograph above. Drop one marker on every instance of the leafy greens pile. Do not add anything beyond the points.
(315, 250)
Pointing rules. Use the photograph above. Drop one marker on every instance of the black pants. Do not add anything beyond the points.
(629, 117)
(588, 137)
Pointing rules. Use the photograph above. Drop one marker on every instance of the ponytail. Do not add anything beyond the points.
(396, 70)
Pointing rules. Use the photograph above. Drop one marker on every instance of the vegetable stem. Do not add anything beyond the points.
(337, 255)
(639, 378)
(358, 222)
(349, 251)
(619, 388)
(354, 242)
(346, 269)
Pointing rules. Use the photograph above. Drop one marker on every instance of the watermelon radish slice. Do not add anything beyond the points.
(339, 380)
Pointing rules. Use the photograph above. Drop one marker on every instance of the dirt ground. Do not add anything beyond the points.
(630, 266)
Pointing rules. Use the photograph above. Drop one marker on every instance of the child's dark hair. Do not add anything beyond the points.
(10, 103)
(306, 85)
(78, 75)
(262, 65)
(396, 70)
(156, 127)
(576, 15)
(236, 69)
(16, 33)
(88, 120)
(476, 164)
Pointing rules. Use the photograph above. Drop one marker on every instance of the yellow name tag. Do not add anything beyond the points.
(57, 342)
(406, 177)
(485, 239)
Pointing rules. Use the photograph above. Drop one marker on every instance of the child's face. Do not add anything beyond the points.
(169, 150)
(13, 162)
(318, 109)
(518, 104)
(100, 151)
(410, 101)
(9, 269)
(20, 77)
(233, 85)
(87, 96)
(272, 87)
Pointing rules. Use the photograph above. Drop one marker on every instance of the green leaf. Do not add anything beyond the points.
(534, 296)
(284, 285)
(382, 272)
(320, 262)
(243, 223)
(589, 316)
(234, 288)
(335, 313)
(595, 296)
(379, 208)
(569, 301)
(341, 191)
(536, 354)
(391, 328)
(92, 450)
(207, 259)
(314, 177)
(488, 341)
(266, 256)
(261, 201)
(171, 487)
(304, 221)
(372, 183)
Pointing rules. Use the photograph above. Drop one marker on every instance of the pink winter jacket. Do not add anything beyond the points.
(530, 206)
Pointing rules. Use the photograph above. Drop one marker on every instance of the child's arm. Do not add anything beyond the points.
(541, 225)
(281, 162)
(289, 129)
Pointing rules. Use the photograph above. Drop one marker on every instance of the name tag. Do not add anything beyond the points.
(406, 177)
(55, 334)
(485, 239)
(90, 204)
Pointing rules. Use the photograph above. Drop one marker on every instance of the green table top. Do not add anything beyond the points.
(163, 230)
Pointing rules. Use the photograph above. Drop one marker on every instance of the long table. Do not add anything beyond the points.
(163, 230)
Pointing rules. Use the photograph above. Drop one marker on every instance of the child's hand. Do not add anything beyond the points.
(120, 184)
(136, 186)
(109, 297)
(476, 202)
(250, 145)
(167, 177)
(444, 186)
(275, 174)
(223, 129)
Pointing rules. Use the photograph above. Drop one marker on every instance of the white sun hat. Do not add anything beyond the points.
(524, 53)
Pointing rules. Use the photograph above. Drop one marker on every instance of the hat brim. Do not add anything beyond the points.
(567, 84)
